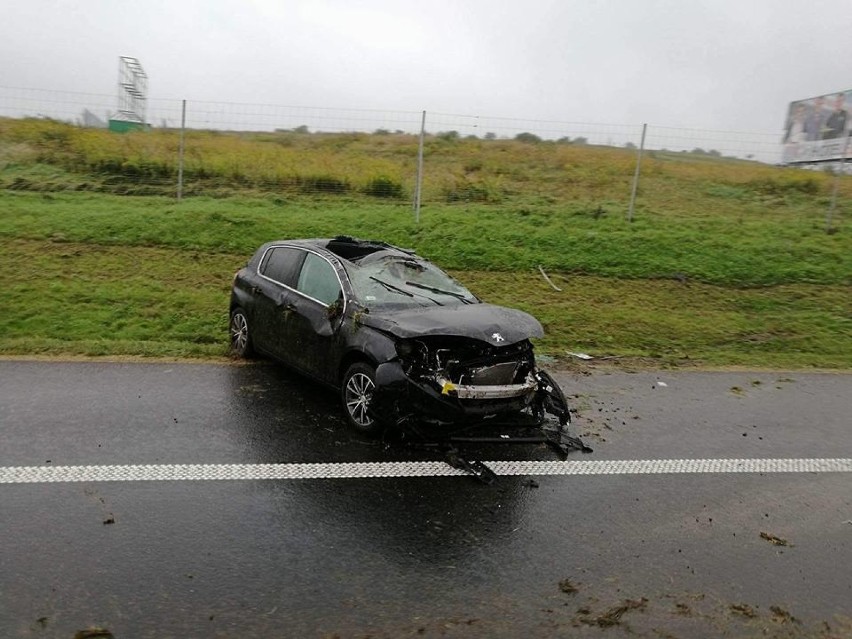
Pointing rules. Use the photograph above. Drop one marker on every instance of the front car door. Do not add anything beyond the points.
(313, 335)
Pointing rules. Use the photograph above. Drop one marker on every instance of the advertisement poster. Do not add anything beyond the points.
(818, 129)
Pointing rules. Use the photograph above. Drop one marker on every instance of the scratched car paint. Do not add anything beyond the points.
(401, 340)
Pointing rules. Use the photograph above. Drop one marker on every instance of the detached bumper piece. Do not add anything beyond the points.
(474, 468)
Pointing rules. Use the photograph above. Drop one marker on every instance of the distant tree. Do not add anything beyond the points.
(301, 129)
(698, 151)
(580, 140)
(471, 137)
(490, 136)
(530, 138)
(381, 132)
(564, 140)
(714, 153)
(449, 135)
(629, 145)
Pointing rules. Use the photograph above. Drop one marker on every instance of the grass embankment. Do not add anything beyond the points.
(727, 263)
(106, 275)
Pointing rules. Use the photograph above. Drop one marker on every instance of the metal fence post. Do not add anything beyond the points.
(636, 174)
(419, 186)
(836, 186)
(180, 150)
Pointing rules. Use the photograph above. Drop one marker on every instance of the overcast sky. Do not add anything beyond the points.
(710, 64)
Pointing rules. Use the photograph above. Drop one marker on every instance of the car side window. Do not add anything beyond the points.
(282, 264)
(318, 280)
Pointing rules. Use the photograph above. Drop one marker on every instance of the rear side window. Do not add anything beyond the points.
(282, 264)
(318, 280)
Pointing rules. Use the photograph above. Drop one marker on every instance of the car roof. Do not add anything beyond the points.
(343, 246)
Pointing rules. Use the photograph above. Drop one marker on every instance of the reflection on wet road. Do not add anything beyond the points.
(683, 554)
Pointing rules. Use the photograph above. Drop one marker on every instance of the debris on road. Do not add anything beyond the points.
(782, 616)
(94, 633)
(568, 587)
(775, 540)
(743, 609)
(612, 617)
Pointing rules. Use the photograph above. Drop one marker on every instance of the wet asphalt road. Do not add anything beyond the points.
(602, 555)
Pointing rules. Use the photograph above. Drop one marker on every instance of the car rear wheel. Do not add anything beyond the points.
(356, 390)
(238, 329)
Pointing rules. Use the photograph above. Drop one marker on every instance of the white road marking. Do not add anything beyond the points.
(352, 470)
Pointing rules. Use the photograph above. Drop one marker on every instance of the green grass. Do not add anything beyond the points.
(114, 292)
(727, 262)
(566, 238)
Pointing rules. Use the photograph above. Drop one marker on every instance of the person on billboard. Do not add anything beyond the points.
(836, 122)
(796, 124)
(815, 121)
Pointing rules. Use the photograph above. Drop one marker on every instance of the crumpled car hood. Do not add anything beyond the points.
(485, 322)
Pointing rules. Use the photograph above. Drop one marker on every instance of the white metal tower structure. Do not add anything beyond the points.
(132, 90)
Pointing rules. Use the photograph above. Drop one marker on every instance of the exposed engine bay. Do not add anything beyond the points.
(460, 365)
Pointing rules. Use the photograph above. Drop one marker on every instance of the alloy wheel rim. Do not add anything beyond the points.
(239, 332)
(359, 392)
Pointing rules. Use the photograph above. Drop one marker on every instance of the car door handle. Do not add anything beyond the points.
(254, 290)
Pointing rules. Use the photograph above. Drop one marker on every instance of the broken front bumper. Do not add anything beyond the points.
(437, 399)
(478, 391)
(400, 400)
(398, 397)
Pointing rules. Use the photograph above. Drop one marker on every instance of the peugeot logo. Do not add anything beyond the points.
(498, 338)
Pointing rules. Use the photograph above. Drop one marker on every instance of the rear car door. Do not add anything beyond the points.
(274, 299)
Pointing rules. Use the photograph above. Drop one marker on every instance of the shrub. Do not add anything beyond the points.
(466, 191)
(383, 187)
(323, 184)
(781, 185)
(529, 138)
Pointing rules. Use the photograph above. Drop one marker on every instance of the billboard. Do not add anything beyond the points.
(818, 129)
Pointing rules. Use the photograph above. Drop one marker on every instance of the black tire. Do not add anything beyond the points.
(238, 331)
(356, 392)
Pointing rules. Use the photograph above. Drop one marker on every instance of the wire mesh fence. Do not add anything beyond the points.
(218, 148)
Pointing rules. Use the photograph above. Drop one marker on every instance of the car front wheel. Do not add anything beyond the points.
(356, 390)
(238, 329)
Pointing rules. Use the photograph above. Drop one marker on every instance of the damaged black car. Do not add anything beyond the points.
(402, 341)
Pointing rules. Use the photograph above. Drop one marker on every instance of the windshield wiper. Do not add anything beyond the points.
(391, 287)
(441, 291)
